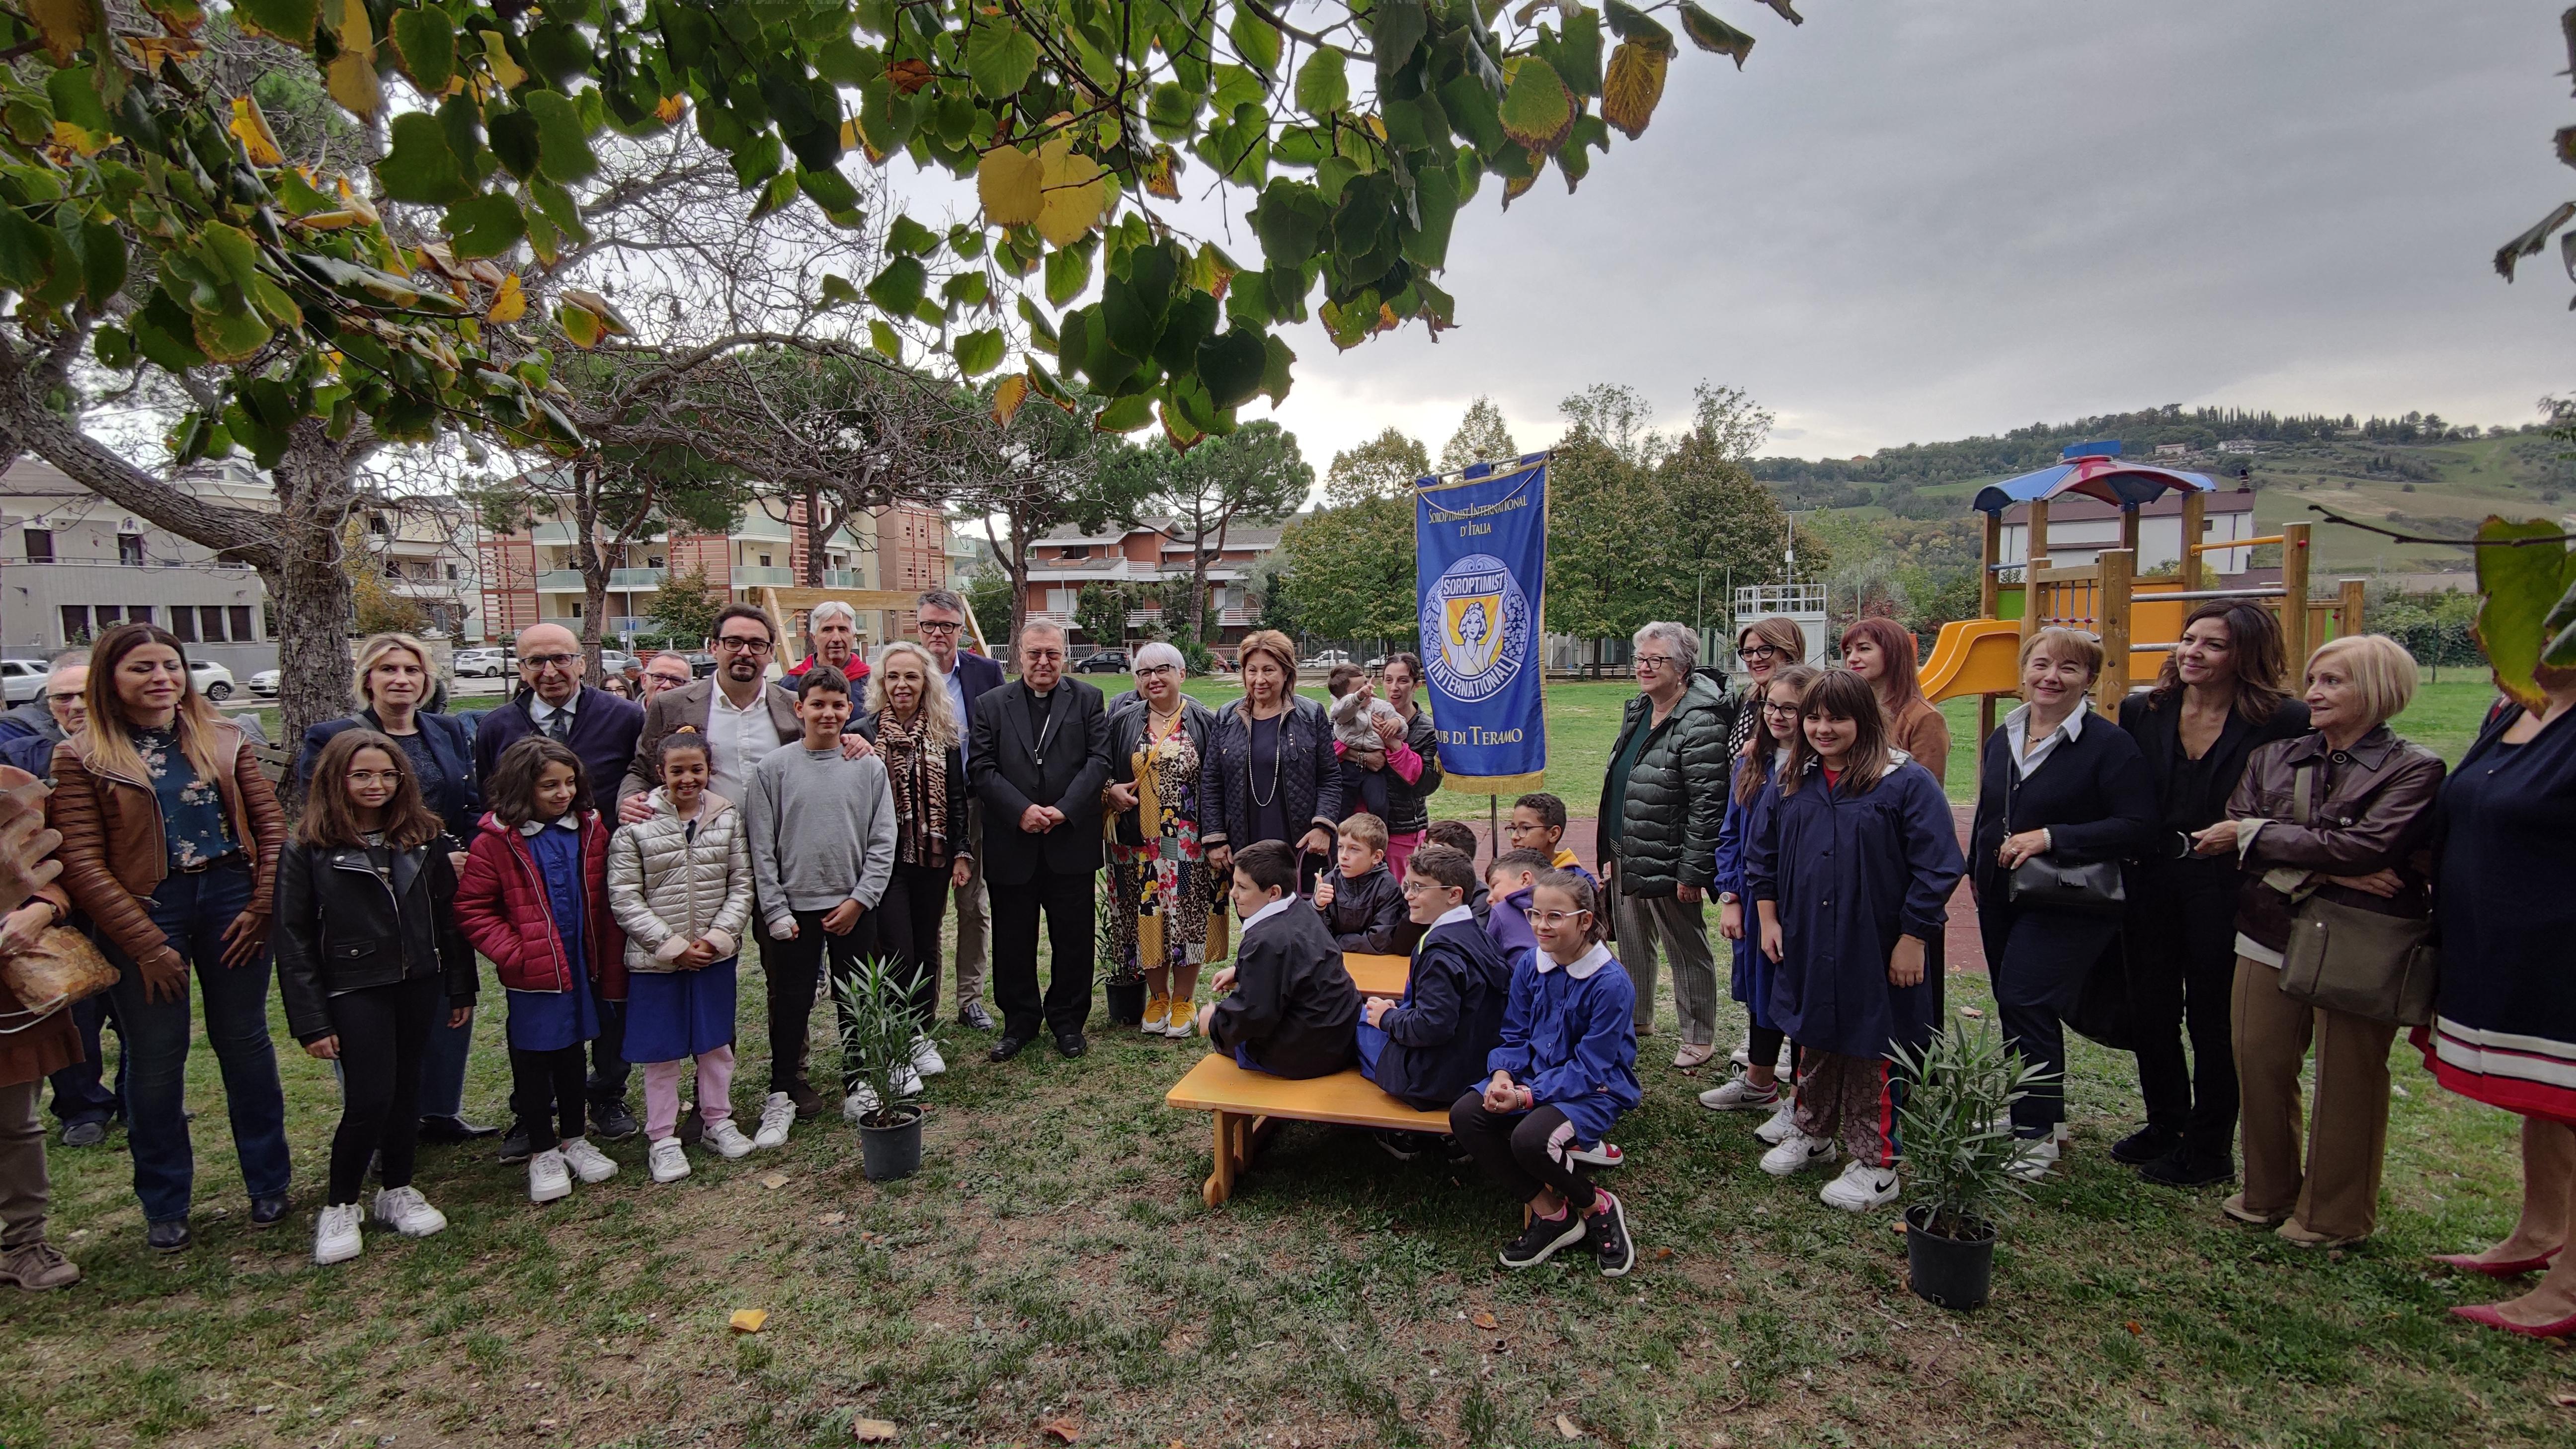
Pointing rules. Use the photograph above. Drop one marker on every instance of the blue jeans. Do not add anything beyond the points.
(442, 1067)
(193, 912)
(81, 1093)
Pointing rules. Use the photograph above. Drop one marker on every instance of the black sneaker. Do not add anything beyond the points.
(2144, 1146)
(1539, 1241)
(2183, 1167)
(1606, 1233)
(514, 1148)
(169, 1237)
(611, 1120)
(973, 1014)
(1455, 1151)
(84, 1134)
(1402, 1146)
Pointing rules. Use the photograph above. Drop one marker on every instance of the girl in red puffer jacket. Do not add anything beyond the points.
(534, 898)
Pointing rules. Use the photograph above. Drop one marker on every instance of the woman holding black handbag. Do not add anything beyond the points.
(2062, 798)
(2338, 820)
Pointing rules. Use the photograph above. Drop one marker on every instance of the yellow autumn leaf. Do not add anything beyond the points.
(600, 307)
(352, 76)
(1008, 182)
(579, 324)
(326, 220)
(151, 50)
(509, 302)
(749, 1320)
(349, 198)
(64, 25)
(1008, 397)
(256, 138)
(76, 138)
(1633, 85)
(496, 54)
(669, 109)
(1074, 193)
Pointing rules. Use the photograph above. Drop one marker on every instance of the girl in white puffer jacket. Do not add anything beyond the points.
(679, 882)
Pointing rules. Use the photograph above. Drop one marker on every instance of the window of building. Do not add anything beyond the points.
(764, 560)
(183, 623)
(210, 623)
(129, 548)
(138, 613)
(40, 545)
(451, 571)
(75, 623)
(241, 624)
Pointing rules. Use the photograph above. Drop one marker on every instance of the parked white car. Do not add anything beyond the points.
(213, 680)
(264, 684)
(22, 679)
(481, 663)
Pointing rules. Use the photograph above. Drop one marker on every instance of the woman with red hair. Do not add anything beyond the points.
(1882, 652)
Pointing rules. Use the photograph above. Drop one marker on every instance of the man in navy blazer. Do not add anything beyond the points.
(941, 617)
(602, 729)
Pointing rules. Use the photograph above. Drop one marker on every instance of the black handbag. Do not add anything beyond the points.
(2043, 880)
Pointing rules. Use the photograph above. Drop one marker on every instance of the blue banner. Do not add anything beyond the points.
(1480, 578)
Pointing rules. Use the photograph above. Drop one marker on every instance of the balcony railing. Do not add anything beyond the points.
(757, 576)
(843, 579)
(568, 581)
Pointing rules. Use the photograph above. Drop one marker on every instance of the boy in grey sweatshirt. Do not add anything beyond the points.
(822, 850)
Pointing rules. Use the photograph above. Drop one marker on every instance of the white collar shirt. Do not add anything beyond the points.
(1580, 968)
(738, 739)
(1266, 912)
(542, 712)
(2027, 758)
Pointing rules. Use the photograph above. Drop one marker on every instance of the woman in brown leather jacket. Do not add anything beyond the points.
(2366, 843)
(170, 844)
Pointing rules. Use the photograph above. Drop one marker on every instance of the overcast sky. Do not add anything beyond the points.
(1911, 222)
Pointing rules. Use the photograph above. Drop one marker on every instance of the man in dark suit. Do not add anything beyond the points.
(941, 618)
(1038, 755)
(601, 729)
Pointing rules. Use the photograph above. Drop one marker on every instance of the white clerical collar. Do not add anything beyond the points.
(1581, 967)
(1266, 912)
(1453, 915)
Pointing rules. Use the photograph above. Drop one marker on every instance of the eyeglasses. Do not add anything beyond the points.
(1758, 651)
(938, 626)
(1658, 661)
(1037, 654)
(741, 644)
(1556, 917)
(375, 777)
(1780, 711)
(548, 661)
(65, 698)
(666, 676)
(1153, 670)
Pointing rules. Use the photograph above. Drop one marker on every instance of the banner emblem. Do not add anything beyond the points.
(1481, 620)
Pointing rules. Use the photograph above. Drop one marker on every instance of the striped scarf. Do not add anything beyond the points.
(919, 773)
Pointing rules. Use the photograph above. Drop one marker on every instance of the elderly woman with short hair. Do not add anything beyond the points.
(1269, 772)
(2344, 814)
(1165, 913)
(1662, 805)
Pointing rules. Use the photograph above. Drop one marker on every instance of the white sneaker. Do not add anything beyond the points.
(727, 1140)
(667, 1160)
(1739, 1095)
(907, 1083)
(776, 1116)
(1797, 1154)
(549, 1176)
(335, 1233)
(1782, 1126)
(1860, 1188)
(861, 1101)
(2037, 1160)
(408, 1213)
(1604, 1153)
(587, 1162)
(926, 1060)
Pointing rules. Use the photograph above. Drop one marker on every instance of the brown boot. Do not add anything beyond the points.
(38, 1267)
(809, 1103)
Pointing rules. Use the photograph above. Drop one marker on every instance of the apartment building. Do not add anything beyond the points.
(73, 565)
(1147, 553)
(426, 549)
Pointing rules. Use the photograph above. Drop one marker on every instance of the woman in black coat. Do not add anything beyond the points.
(2056, 781)
(2220, 698)
(1270, 772)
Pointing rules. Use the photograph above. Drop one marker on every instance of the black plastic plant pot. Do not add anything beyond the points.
(1126, 1002)
(1954, 1273)
(893, 1150)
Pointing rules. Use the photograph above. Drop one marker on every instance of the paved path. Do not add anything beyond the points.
(1966, 953)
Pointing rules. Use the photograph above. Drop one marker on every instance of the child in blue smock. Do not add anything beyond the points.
(1748, 801)
(1566, 1069)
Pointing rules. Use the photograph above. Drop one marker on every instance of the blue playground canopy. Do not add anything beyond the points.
(2094, 470)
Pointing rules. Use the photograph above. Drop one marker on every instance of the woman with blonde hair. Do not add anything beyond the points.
(170, 842)
(915, 733)
(2344, 815)
(1166, 913)
(1270, 772)
(2059, 783)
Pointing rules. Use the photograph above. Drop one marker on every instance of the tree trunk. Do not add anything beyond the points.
(316, 484)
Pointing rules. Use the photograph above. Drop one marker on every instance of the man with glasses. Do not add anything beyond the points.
(29, 732)
(83, 1101)
(1661, 806)
(602, 729)
(1038, 756)
(742, 715)
(940, 616)
(667, 671)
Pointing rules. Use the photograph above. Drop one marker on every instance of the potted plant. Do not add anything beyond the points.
(1959, 1155)
(877, 1033)
(1126, 985)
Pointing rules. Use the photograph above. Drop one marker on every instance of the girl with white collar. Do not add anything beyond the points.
(1565, 1071)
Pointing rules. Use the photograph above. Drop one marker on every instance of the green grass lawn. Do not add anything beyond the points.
(1053, 1261)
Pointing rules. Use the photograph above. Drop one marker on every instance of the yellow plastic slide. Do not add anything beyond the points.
(1973, 657)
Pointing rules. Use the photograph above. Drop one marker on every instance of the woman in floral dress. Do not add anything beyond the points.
(1166, 918)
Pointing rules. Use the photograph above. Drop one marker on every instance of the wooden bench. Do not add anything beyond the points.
(1248, 1104)
(1378, 975)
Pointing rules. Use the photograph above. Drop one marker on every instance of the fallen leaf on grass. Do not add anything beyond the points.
(833, 1220)
(2564, 1401)
(1565, 1426)
(1662, 1253)
(1485, 1320)
(749, 1320)
(1063, 1431)
(872, 1431)
(773, 1180)
(1971, 1013)
(2133, 1327)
